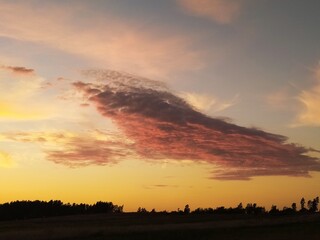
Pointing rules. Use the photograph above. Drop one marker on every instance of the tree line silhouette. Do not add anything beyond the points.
(39, 209)
(250, 209)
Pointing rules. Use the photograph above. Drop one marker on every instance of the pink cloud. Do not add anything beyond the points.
(103, 39)
(79, 151)
(76, 150)
(164, 126)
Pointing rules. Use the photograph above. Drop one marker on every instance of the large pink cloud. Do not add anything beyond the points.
(164, 126)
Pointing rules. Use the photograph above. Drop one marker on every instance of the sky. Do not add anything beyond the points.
(159, 104)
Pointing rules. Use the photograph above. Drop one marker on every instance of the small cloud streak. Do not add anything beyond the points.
(220, 11)
(164, 126)
(18, 70)
(159, 186)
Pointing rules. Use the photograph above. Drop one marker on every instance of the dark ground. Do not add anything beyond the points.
(161, 226)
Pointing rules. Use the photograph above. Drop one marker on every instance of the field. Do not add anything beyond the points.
(162, 226)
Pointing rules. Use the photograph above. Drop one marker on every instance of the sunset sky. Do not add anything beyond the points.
(159, 104)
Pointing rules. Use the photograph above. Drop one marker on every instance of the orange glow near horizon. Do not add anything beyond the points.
(161, 191)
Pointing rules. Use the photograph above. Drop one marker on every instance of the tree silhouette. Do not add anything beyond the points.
(187, 209)
(309, 204)
(317, 201)
(294, 207)
(274, 210)
(142, 210)
(35, 209)
(302, 203)
(250, 208)
(314, 205)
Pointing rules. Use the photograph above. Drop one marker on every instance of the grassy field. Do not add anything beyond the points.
(134, 226)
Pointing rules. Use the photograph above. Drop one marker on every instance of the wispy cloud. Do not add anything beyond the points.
(163, 125)
(206, 103)
(106, 40)
(310, 100)
(284, 100)
(77, 149)
(220, 11)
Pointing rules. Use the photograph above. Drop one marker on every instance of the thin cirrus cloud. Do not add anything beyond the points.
(279, 99)
(220, 11)
(304, 103)
(164, 126)
(310, 100)
(76, 149)
(104, 40)
(206, 103)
